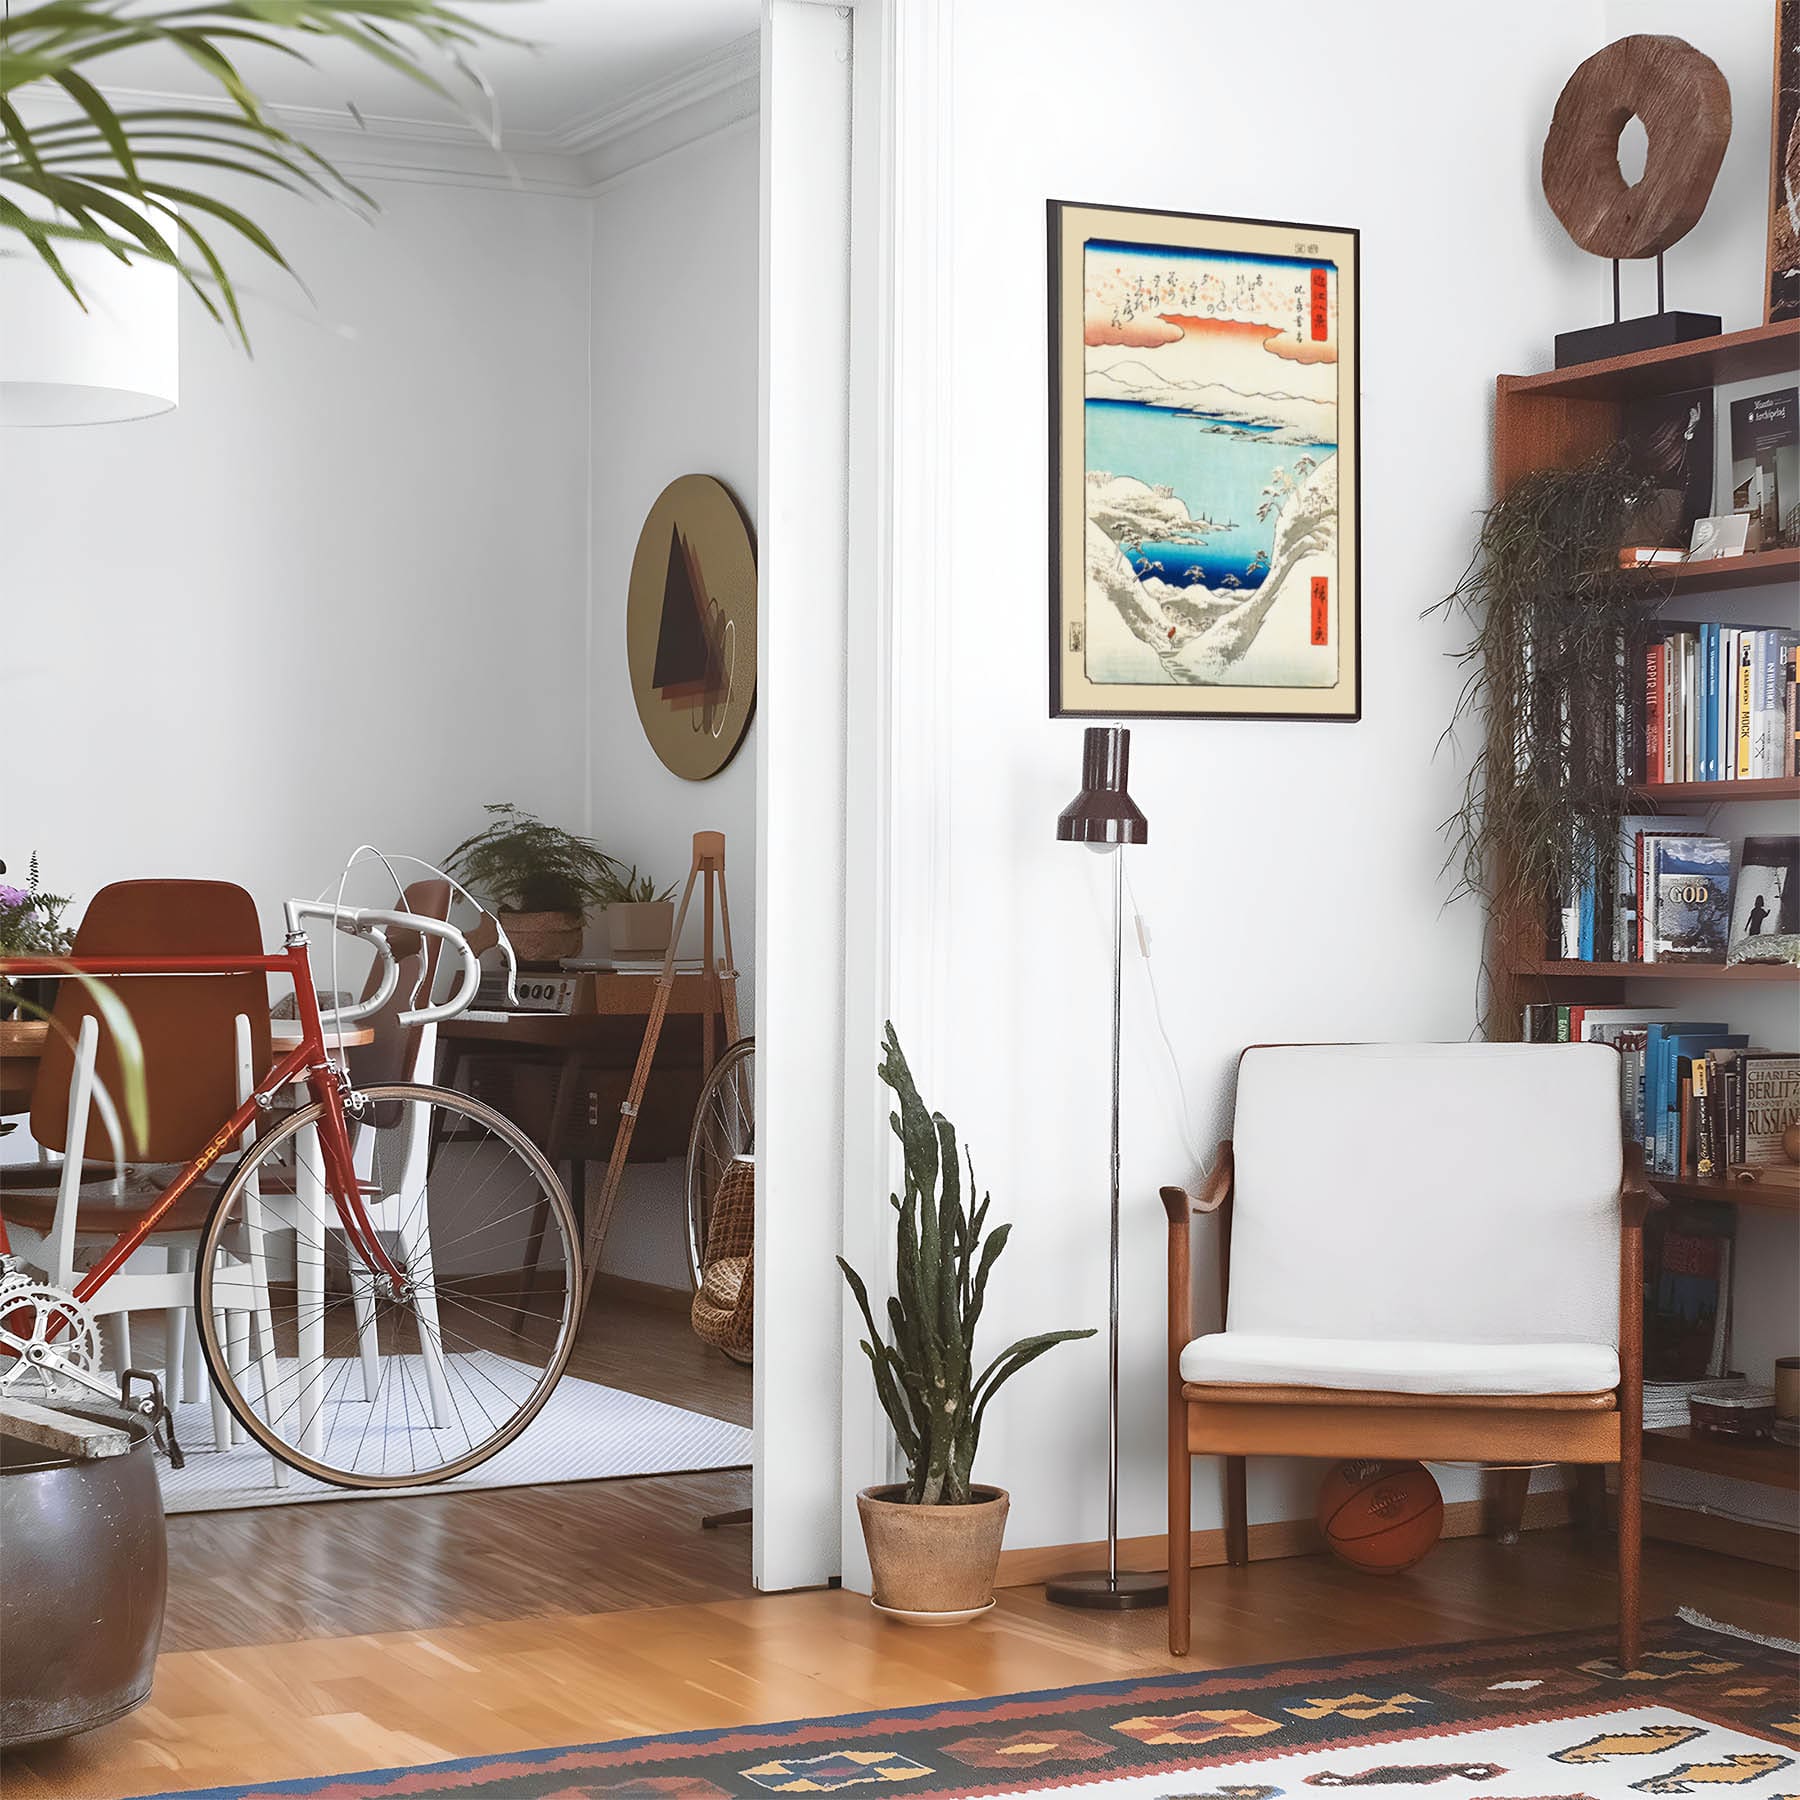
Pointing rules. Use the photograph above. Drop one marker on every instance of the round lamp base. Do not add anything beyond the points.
(1095, 1590)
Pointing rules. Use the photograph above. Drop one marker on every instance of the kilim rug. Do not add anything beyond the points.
(1541, 1718)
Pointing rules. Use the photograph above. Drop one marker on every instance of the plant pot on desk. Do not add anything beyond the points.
(640, 928)
(933, 1565)
(540, 940)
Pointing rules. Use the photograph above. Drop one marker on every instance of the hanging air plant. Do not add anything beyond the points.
(1549, 680)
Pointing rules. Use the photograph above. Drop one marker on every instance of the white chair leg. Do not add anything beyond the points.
(222, 1421)
(415, 1255)
(309, 1269)
(193, 1361)
(175, 1329)
(115, 1332)
(237, 1359)
(368, 1343)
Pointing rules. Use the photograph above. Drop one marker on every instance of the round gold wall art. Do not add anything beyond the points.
(690, 626)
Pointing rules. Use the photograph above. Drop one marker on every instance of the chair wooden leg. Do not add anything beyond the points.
(1237, 1513)
(1590, 1499)
(1506, 1502)
(1181, 1529)
(1630, 1553)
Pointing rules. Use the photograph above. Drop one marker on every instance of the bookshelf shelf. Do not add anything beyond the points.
(1656, 971)
(1764, 350)
(1778, 787)
(1759, 568)
(1766, 1198)
(1758, 1460)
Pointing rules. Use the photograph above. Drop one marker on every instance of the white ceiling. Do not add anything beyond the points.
(588, 60)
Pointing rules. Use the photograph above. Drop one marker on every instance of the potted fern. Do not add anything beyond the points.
(934, 1539)
(542, 878)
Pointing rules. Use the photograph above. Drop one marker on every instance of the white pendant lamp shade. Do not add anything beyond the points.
(61, 366)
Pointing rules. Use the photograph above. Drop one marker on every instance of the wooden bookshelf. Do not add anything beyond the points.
(1765, 1197)
(1758, 568)
(1551, 970)
(1743, 1459)
(1712, 793)
(1763, 350)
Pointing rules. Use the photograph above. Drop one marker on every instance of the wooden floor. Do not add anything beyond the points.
(315, 1640)
(334, 1568)
(336, 1704)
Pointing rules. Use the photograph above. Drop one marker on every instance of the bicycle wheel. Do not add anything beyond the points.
(724, 1126)
(333, 1367)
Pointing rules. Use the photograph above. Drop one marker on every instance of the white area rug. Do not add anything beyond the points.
(586, 1432)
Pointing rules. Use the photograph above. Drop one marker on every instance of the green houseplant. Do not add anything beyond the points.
(934, 1540)
(639, 919)
(1552, 615)
(542, 879)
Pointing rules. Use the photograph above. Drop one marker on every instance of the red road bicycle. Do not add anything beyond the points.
(387, 1281)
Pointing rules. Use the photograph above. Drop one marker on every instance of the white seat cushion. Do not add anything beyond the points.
(1396, 1366)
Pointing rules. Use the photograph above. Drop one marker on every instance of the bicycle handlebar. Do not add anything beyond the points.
(373, 925)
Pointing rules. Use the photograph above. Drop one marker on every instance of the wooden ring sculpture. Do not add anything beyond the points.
(1684, 102)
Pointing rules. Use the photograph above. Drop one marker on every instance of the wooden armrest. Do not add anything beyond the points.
(1636, 1196)
(1179, 1204)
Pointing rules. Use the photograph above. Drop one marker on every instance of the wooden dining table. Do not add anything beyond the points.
(22, 1044)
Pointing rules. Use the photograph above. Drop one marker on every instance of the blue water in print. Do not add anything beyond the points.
(1217, 474)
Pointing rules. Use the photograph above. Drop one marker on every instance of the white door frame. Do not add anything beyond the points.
(852, 814)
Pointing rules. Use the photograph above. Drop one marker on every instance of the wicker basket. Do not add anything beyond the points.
(722, 1312)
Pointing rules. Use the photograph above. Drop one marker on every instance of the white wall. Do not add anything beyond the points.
(375, 528)
(674, 356)
(1292, 879)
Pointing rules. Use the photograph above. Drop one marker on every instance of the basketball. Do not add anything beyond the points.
(1380, 1517)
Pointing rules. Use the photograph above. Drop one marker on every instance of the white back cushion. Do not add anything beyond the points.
(1456, 1192)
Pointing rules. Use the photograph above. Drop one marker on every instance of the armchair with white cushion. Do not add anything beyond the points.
(1426, 1251)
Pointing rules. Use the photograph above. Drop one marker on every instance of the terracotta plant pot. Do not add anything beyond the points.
(542, 939)
(640, 927)
(933, 1564)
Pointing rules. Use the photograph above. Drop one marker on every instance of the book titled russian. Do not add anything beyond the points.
(1689, 883)
(1765, 459)
(1770, 1099)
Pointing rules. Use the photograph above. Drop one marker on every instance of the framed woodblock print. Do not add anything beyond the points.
(1204, 469)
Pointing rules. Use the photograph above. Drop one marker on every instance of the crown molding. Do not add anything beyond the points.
(733, 67)
(706, 96)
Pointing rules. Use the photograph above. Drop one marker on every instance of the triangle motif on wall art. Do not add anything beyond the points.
(688, 670)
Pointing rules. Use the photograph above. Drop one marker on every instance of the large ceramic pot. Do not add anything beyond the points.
(933, 1565)
(540, 940)
(85, 1572)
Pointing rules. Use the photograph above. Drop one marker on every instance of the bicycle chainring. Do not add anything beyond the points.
(34, 1312)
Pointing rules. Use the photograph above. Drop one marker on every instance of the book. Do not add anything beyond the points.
(1688, 881)
(1687, 1302)
(1768, 1103)
(1770, 651)
(1669, 438)
(1766, 897)
(1632, 830)
(1765, 458)
(1741, 756)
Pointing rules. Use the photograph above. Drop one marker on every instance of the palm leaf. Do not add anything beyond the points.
(81, 167)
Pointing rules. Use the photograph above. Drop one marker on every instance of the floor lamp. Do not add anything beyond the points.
(1104, 817)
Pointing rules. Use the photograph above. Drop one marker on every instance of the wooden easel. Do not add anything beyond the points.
(720, 977)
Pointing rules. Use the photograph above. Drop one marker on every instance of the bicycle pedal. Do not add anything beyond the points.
(156, 1409)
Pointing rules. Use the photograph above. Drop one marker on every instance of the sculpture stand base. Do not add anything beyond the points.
(1624, 337)
(1092, 1589)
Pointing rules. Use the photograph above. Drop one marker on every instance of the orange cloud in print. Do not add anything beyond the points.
(1277, 343)
(1145, 332)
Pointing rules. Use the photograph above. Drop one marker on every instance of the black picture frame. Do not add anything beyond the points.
(1232, 236)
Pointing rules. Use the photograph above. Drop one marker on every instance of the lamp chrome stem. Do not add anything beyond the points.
(1112, 1296)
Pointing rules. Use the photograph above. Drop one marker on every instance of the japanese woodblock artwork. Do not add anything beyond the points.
(1204, 476)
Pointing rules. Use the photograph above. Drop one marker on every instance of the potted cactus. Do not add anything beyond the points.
(934, 1539)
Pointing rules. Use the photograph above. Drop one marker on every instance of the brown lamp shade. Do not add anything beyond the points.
(1103, 812)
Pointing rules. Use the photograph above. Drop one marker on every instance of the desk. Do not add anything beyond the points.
(562, 1076)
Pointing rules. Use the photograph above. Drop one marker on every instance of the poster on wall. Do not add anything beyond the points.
(1784, 168)
(1204, 466)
